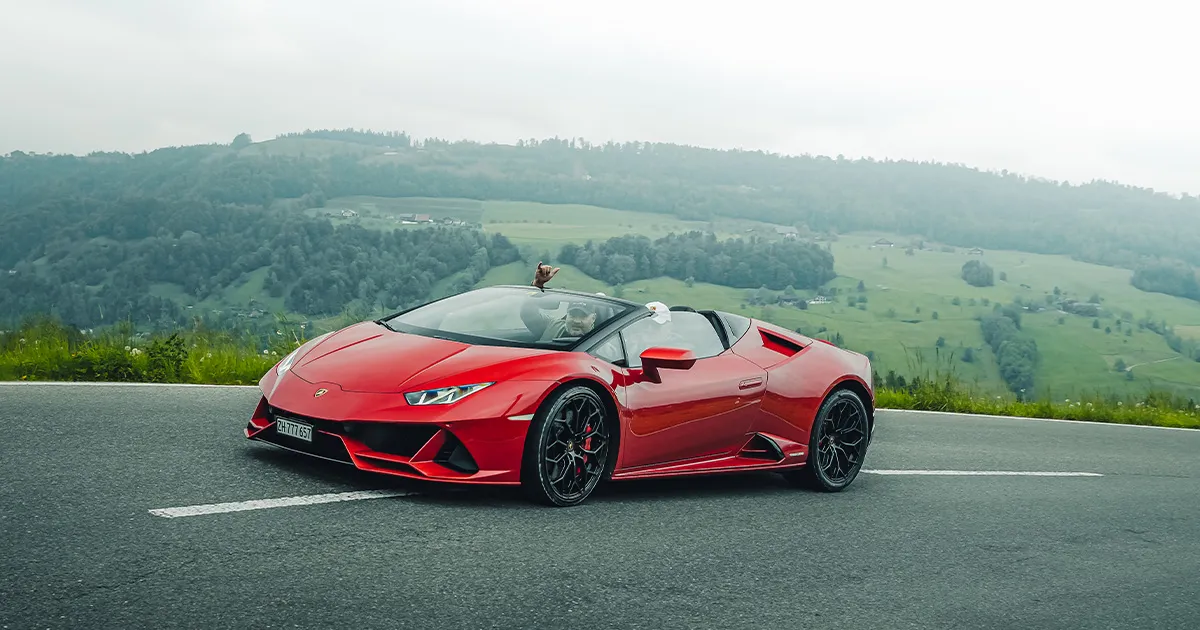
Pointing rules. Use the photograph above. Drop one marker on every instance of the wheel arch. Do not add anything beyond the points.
(860, 389)
(610, 407)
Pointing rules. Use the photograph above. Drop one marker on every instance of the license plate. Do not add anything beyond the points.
(294, 429)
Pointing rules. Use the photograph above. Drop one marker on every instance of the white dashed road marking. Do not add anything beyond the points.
(262, 504)
(984, 473)
(313, 499)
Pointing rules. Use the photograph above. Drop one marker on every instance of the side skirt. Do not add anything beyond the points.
(761, 451)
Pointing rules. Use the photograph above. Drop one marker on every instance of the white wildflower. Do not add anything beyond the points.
(135, 351)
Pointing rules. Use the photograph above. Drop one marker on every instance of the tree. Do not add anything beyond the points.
(1119, 365)
(861, 287)
(941, 342)
(241, 141)
(968, 355)
(1003, 276)
(977, 273)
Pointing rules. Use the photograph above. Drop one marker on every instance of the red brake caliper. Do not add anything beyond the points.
(587, 444)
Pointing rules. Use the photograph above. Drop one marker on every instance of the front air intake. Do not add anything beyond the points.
(455, 456)
(391, 438)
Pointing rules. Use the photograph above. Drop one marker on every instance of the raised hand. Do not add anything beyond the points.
(543, 275)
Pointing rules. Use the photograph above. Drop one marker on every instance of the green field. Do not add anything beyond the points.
(898, 324)
(537, 225)
(549, 227)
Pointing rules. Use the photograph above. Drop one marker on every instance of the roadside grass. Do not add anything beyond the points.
(937, 389)
(45, 350)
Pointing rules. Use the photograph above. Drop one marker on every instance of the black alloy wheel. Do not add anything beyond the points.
(567, 451)
(837, 445)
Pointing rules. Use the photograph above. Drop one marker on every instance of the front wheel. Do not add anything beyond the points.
(837, 445)
(568, 448)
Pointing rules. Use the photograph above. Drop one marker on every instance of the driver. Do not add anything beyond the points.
(579, 320)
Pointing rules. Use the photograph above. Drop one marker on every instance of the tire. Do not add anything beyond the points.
(837, 444)
(572, 425)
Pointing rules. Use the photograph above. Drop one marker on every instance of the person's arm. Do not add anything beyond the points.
(536, 320)
(531, 312)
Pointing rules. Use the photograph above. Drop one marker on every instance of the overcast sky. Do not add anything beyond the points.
(1064, 90)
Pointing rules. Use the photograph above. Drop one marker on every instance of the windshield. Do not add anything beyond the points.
(511, 316)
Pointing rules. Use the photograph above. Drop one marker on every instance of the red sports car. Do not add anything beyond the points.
(556, 390)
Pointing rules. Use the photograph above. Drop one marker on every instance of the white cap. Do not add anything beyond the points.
(662, 314)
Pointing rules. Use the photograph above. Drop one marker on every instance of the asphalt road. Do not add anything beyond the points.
(82, 466)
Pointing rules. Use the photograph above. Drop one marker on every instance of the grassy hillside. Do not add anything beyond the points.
(541, 226)
(898, 324)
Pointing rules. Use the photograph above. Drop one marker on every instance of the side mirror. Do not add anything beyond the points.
(655, 359)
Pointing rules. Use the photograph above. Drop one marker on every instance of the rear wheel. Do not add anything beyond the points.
(567, 450)
(837, 445)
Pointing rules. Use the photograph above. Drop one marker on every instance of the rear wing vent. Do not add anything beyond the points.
(779, 343)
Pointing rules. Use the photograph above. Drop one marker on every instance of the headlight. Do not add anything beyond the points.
(443, 395)
(286, 363)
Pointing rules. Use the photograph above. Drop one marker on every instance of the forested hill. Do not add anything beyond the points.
(1096, 222)
(91, 261)
(94, 237)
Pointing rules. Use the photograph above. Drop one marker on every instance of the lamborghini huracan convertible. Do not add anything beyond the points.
(558, 390)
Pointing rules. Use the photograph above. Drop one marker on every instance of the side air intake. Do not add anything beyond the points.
(779, 343)
(760, 447)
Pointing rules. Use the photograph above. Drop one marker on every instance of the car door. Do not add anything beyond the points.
(703, 411)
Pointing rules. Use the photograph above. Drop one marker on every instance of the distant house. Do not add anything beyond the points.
(975, 251)
(883, 242)
(787, 231)
(349, 213)
(421, 218)
(820, 299)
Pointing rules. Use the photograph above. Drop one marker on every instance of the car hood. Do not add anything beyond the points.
(368, 357)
